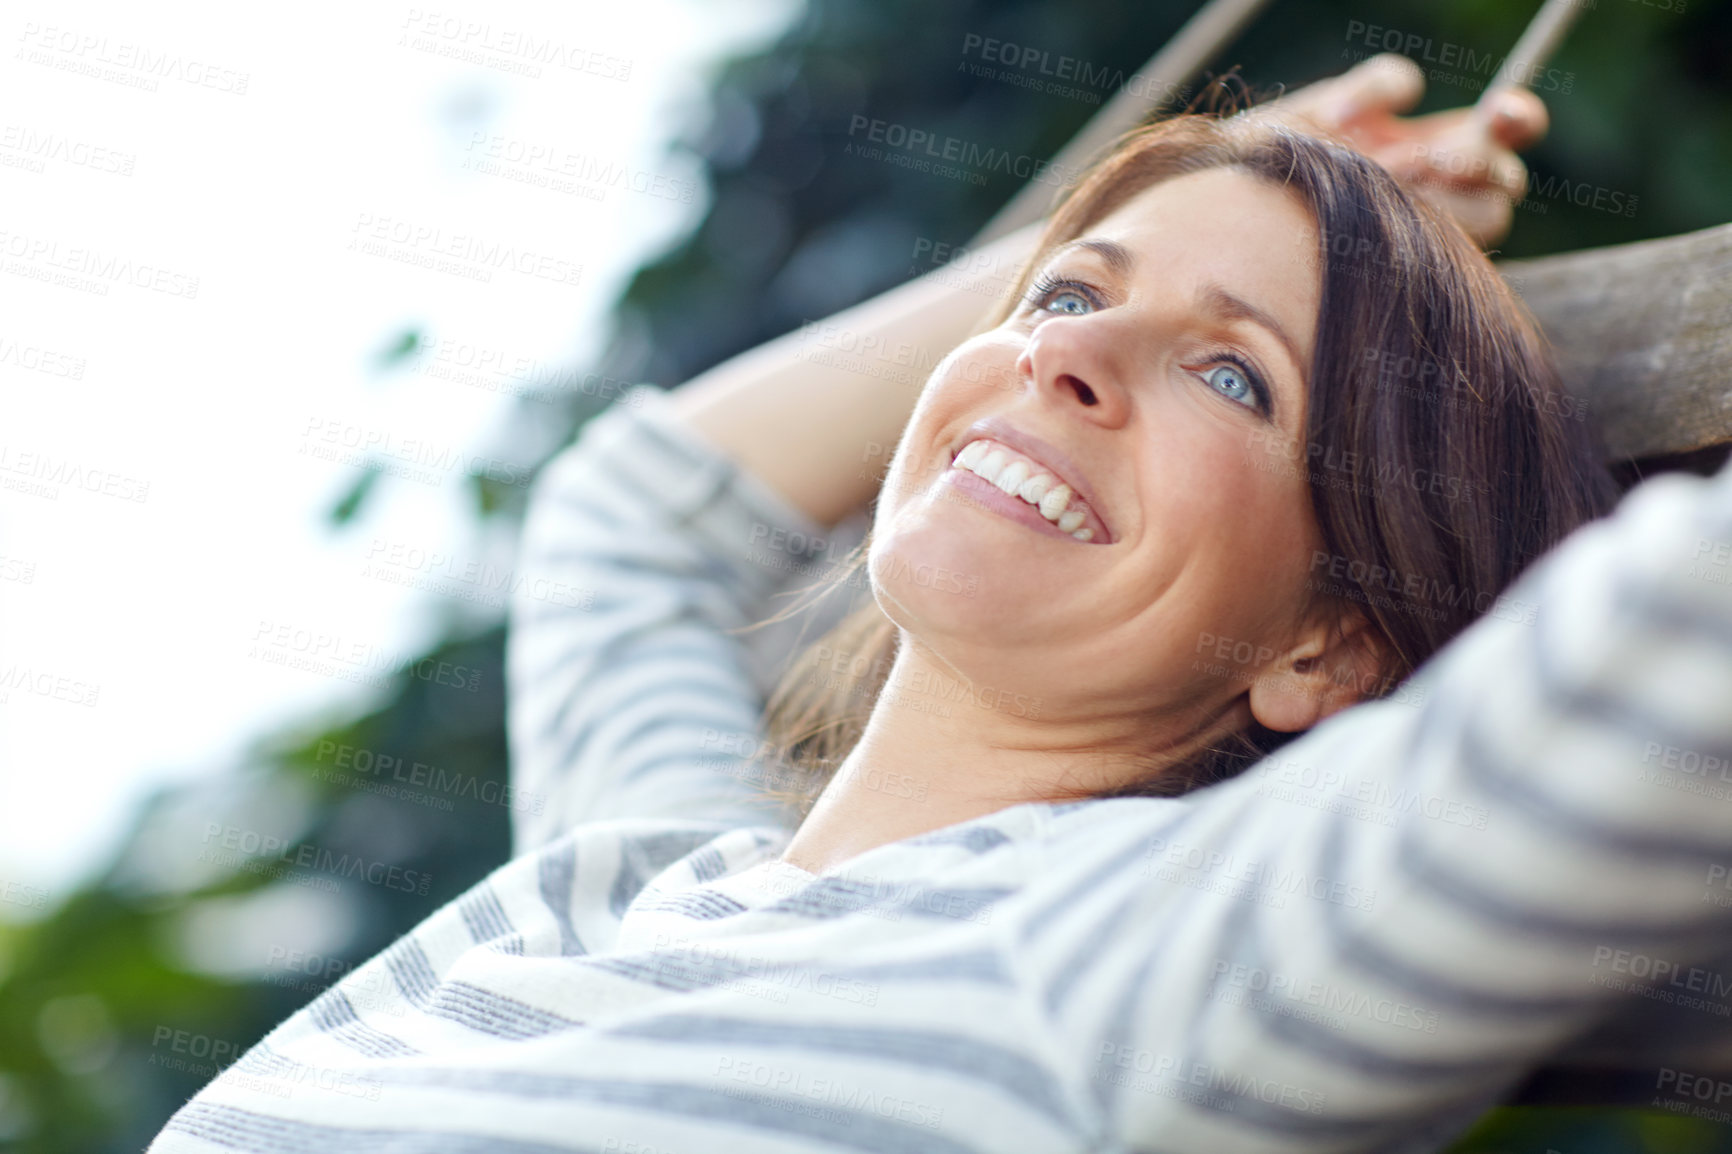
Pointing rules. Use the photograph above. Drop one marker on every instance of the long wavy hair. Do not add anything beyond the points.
(1442, 453)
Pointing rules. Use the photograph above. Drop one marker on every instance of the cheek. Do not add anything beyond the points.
(1231, 525)
(1208, 486)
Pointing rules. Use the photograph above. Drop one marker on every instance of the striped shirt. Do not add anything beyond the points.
(1359, 944)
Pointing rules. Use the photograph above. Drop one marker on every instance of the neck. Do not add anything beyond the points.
(940, 749)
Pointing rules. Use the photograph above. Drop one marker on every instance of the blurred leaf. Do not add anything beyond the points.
(405, 346)
(350, 503)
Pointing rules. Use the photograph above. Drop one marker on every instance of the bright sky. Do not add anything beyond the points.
(168, 448)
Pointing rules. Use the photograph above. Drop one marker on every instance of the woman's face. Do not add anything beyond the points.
(1157, 370)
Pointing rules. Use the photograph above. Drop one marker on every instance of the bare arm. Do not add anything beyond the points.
(815, 412)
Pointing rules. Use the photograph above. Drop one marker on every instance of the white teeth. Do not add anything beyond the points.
(1016, 477)
(1035, 488)
(1053, 504)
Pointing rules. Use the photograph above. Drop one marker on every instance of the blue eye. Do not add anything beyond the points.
(1238, 381)
(1046, 291)
(1053, 302)
(1232, 384)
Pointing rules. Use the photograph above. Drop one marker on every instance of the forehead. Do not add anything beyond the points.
(1227, 227)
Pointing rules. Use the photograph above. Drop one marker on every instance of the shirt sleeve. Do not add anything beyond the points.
(629, 692)
(1373, 935)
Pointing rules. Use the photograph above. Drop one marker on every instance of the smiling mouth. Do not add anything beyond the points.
(1021, 477)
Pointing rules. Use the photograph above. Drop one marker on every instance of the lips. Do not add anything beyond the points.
(1027, 469)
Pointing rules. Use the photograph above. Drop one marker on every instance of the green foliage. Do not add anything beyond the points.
(407, 344)
(1592, 1130)
(349, 504)
(798, 228)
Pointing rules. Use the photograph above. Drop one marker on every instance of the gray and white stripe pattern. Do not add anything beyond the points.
(1358, 945)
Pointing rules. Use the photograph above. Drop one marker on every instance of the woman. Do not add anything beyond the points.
(969, 943)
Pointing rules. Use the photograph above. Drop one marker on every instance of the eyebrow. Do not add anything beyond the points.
(1117, 256)
(1217, 299)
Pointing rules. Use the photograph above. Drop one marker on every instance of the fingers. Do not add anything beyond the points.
(1485, 219)
(1381, 86)
(1516, 118)
(1462, 147)
(1387, 82)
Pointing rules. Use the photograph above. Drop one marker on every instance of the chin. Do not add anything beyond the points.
(940, 575)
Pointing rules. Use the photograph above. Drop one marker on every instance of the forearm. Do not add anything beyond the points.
(814, 414)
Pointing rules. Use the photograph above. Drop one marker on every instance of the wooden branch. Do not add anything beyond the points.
(1643, 333)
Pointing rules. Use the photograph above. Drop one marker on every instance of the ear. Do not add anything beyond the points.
(1338, 660)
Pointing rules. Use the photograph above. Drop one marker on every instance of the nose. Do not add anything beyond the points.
(1067, 360)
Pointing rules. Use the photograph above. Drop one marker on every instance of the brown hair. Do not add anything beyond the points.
(1442, 453)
